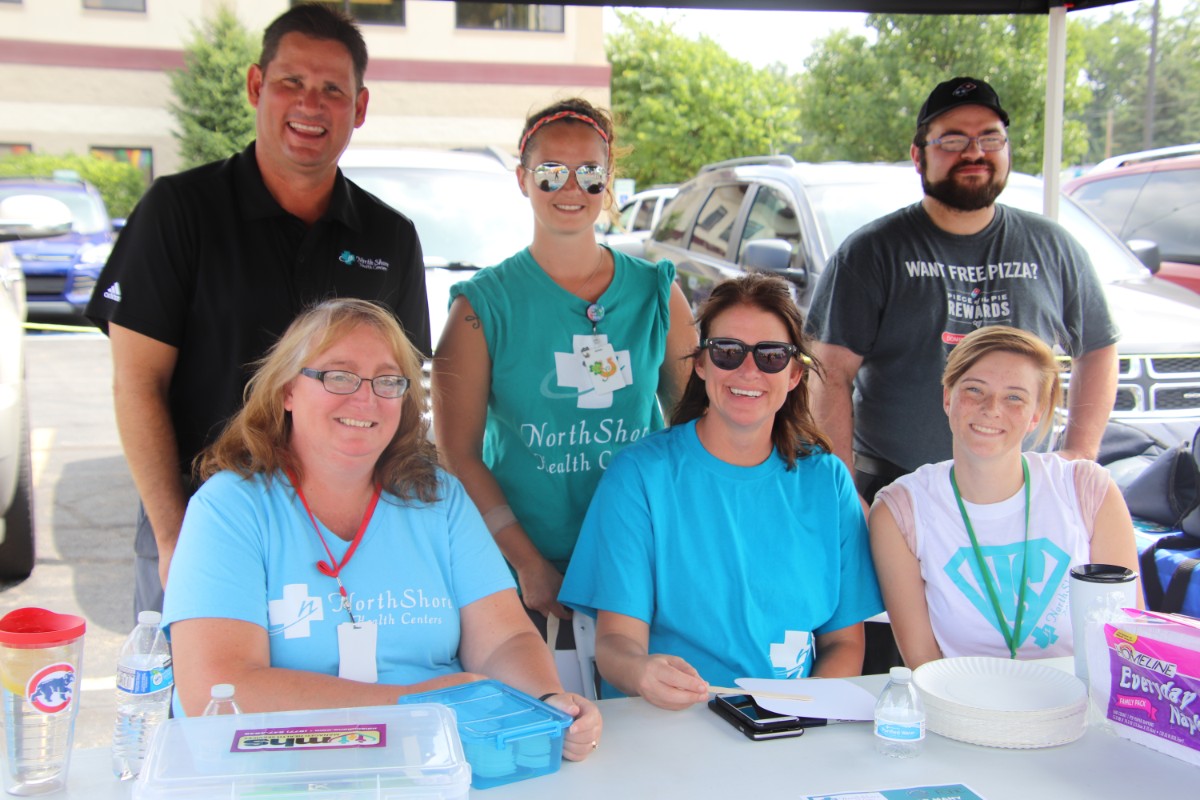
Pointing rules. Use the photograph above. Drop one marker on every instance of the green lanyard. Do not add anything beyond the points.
(1010, 635)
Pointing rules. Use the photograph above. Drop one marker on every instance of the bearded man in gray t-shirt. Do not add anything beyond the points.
(903, 290)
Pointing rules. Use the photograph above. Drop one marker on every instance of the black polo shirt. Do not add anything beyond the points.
(211, 264)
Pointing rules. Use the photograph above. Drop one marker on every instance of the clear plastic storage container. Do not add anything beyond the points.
(506, 734)
(394, 752)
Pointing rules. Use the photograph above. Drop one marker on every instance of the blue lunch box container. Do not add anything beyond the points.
(507, 735)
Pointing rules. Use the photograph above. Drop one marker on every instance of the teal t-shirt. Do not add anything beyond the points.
(735, 569)
(550, 435)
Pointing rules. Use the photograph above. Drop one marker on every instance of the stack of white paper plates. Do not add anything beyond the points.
(1002, 703)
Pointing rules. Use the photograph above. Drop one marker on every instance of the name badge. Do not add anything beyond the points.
(602, 368)
(356, 651)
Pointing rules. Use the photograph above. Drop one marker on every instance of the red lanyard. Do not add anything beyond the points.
(332, 567)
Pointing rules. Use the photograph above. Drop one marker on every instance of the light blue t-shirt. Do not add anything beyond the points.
(735, 569)
(549, 435)
(248, 551)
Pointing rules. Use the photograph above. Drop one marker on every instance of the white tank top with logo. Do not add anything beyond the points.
(960, 609)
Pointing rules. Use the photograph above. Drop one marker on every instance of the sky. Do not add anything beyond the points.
(765, 37)
(757, 37)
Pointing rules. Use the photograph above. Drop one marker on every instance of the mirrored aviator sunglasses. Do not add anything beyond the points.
(552, 176)
(770, 357)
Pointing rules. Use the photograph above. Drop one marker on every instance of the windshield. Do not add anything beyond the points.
(842, 209)
(86, 214)
(463, 218)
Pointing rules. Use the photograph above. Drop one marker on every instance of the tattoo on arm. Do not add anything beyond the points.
(474, 320)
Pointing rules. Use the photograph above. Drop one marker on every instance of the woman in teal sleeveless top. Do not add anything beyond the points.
(556, 358)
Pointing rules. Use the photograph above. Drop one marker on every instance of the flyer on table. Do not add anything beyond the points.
(954, 791)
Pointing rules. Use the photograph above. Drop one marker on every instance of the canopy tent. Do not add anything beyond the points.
(1056, 50)
(867, 6)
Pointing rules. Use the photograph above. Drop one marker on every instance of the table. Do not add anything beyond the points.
(651, 753)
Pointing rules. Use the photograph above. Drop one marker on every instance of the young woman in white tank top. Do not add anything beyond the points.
(973, 555)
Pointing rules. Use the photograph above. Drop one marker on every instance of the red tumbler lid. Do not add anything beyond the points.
(36, 626)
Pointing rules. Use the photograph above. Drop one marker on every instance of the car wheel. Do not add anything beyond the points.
(16, 552)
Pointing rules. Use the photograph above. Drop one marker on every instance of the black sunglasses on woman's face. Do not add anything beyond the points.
(728, 354)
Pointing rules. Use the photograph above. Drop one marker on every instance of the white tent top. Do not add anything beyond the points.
(868, 6)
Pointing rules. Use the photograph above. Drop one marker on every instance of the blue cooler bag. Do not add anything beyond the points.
(1169, 576)
(1168, 493)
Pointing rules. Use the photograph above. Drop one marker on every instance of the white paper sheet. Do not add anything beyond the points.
(832, 698)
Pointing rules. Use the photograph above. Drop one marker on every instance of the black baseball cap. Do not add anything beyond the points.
(960, 92)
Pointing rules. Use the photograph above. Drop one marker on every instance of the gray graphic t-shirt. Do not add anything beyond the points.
(901, 292)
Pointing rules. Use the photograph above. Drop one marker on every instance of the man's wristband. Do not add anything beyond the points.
(548, 695)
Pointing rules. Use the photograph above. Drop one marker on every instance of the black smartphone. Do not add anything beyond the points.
(756, 722)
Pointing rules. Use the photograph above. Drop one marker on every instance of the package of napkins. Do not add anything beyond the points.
(1145, 678)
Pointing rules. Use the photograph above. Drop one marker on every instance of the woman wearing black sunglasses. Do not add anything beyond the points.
(556, 358)
(733, 544)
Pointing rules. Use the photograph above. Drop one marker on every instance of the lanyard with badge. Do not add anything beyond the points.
(598, 356)
(357, 638)
(1010, 635)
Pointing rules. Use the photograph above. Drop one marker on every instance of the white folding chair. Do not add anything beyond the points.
(585, 650)
(564, 660)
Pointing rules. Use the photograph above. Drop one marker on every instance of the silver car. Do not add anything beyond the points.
(635, 220)
(466, 206)
(22, 217)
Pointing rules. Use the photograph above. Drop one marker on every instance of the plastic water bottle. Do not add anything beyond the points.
(222, 701)
(899, 717)
(144, 682)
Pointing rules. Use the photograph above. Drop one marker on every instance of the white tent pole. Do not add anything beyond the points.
(1056, 68)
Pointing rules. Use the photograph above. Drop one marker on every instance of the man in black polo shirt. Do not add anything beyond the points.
(215, 262)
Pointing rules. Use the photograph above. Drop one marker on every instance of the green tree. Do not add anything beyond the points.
(1117, 69)
(213, 116)
(860, 99)
(681, 103)
(119, 183)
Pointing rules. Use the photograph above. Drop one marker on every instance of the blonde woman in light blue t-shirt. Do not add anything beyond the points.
(328, 562)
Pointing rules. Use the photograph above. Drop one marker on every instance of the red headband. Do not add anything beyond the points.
(546, 120)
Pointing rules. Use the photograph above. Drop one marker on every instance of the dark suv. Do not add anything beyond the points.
(772, 214)
(61, 272)
(1152, 198)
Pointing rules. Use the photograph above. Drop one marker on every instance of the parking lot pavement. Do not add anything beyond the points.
(84, 505)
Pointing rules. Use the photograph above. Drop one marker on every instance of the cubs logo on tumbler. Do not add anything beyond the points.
(51, 688)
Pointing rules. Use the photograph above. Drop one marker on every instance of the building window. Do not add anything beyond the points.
(373, 12)
(116, 5)
(140, 157)
(509, 17)
(13, 149)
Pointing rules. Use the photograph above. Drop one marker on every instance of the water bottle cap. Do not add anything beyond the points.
(149, 618)
(901, 674)
(222, 691)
